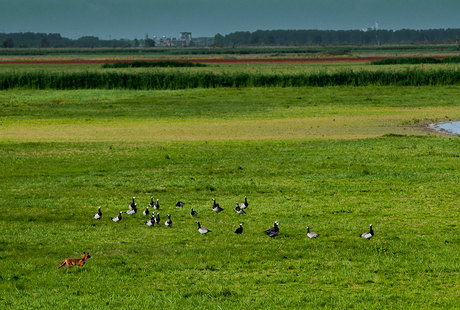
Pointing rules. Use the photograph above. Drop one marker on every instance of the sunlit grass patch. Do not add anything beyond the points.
(334, 158)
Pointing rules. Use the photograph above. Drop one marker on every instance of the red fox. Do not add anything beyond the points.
(75, 261)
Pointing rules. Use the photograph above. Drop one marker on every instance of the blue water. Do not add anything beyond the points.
(452, 127)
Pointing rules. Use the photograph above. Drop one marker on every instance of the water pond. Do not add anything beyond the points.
(451, 127)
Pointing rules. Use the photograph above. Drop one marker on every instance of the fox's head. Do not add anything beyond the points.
(86, 255)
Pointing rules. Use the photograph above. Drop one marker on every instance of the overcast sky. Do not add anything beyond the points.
(115, 19)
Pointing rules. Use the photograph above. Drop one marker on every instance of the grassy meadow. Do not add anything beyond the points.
(333, 158)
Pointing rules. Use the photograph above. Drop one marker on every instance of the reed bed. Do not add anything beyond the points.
(186, 80)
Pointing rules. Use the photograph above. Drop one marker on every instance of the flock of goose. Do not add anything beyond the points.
(155, 219)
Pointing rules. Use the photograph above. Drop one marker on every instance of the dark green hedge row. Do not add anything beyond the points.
(416, 60)
(149, 64)
(183, 80)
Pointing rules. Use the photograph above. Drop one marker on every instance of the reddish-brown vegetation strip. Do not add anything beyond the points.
(204, 60)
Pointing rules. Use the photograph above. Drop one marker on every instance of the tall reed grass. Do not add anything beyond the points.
(184, 80)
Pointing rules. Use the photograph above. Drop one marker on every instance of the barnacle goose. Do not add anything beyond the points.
(193, 213)
(179, 204)
(131, 211)
(368, 235)
(146, 211)
(98, 214)
(151, 203)
(157, 205)
(273, 231)
(239, 210)
(239, 230)
(157, 218)
(244, 205)
(117, 218)
(132, 205)
(311, 234)
(216, 207)
(202, 230)
(151, 221)
(168, 221)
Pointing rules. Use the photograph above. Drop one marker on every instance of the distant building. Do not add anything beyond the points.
(184, 38)
(370, 28)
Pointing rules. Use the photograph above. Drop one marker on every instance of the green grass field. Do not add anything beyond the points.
(333, 158)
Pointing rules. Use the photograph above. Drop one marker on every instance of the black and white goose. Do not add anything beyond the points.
(117, 218)
(151, 221)
(368, 235)
(179, 204)
(244, 205)
(98, 214)
(239, 210)
(239, 230)
(131, 211)
(193, 213)
(202, 230)
(168, 222)
(157, 218)
(273, 231)
(132, 205)
(157, 205)
(132, 208)
(216, 207)
(146, 211)
(151, 203)
(311, 234)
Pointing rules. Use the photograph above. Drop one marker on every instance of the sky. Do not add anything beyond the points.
(123, 19)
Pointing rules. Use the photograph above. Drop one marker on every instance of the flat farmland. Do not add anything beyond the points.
(335, 158)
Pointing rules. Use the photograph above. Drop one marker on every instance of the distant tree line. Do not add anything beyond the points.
(43, 40)
(282, 37)
(259, 37)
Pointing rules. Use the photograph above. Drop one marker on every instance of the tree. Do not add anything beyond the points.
(218, 38)
(269, 40)
(44, 43)
(318, 39)
(366, 39)
(149, 42)
(136, 42)
(254, 39)
(8, 43)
